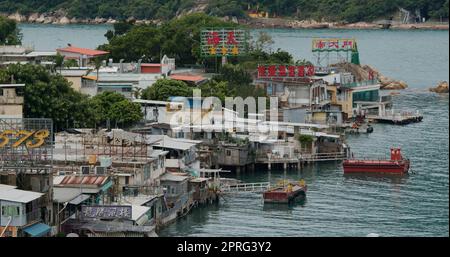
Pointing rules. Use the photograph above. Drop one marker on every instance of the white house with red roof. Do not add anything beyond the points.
(82, 55)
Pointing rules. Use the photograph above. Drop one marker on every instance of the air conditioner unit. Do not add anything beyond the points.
(99, 170)
(85, 170)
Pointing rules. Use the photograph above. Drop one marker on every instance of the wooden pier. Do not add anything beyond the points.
(397, 119)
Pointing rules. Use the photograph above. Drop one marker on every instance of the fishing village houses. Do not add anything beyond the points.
(113, 182)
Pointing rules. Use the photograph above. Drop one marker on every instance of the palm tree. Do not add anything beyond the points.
(137, 92)
(97, 64)
(59, 61)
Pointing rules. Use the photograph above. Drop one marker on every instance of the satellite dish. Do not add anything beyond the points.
(72, 235)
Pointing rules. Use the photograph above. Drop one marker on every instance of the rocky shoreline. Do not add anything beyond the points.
(60, 18)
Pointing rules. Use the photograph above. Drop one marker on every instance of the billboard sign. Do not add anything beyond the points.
(285, 71)
(224, 42)
(333, 44)
(25, 141)
(106, 212)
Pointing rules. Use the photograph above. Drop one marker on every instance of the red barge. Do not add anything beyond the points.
(396, 165)
(286, 194)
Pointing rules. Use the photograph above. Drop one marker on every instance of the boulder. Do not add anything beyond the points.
(48, 20)
(395, 85)
(442, 87)
(33, 17)
(111, 21)
(40, 19)
(64, 20)
(17, 17)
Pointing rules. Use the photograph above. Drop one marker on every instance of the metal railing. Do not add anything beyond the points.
(361, 83)
(324, 156)
(245, 187)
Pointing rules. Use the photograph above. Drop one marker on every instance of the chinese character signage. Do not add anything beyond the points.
(106, 212)
(333, 45)
(224, 42)
(285, 71)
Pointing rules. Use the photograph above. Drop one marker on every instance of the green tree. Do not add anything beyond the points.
(71, 63)
(51, 96)
(163, 89)
(305, 141)
(218, 89)
(178, 38)
(97, 61)
(9, 32)
(125, 113)
(59, 61)
(116, 108)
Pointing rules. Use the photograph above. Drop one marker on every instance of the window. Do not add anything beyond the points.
(228, 152)
(20, 91)
(1, 92)
(127, 180)
(10, 210)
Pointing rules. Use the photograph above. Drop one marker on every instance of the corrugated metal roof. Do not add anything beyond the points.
(11, 85)
(192, 78)
(63, 195)
(6, 187)
(172, 177)
(84, 180)
(151, 65)
(138, 211)
(79, 199)
(84, 51)
(171, 143)
(15, 195)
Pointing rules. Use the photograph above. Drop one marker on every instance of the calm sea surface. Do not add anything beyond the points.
(337, 205)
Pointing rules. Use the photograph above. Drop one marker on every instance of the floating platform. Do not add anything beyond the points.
(397, 119)
(285, 194)
(396, 165)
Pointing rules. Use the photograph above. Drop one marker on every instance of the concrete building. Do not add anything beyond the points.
(22, 54)
(82, 55)
(11, 100)
(75, 76)
(20, 213)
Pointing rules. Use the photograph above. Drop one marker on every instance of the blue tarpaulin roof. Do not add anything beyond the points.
(38, 229)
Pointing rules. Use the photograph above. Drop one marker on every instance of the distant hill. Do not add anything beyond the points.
(331, 10)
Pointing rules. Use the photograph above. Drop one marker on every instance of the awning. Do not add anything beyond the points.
(193, 172)
(79, 199)
(37, 230)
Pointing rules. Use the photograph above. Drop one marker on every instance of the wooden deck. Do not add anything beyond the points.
(397, 119)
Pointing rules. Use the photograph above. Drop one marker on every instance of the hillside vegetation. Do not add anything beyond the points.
(331, 10)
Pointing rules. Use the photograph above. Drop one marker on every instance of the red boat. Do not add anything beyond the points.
(396, 165)
(285, 194)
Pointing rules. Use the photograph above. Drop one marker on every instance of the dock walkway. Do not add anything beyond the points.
(245, 187)
(397, 119)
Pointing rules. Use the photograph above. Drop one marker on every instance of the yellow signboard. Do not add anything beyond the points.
(31, 139)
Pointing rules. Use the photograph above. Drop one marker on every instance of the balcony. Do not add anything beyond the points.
(361, 83)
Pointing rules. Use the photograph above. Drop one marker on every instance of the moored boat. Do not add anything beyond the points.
(286, 193)
(396, 165)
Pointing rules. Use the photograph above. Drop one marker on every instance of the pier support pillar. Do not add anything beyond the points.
(285, 166)
(269, 166)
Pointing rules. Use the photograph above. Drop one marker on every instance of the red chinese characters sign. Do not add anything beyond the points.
(285, 71)
(333, 44)
(224, 42)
